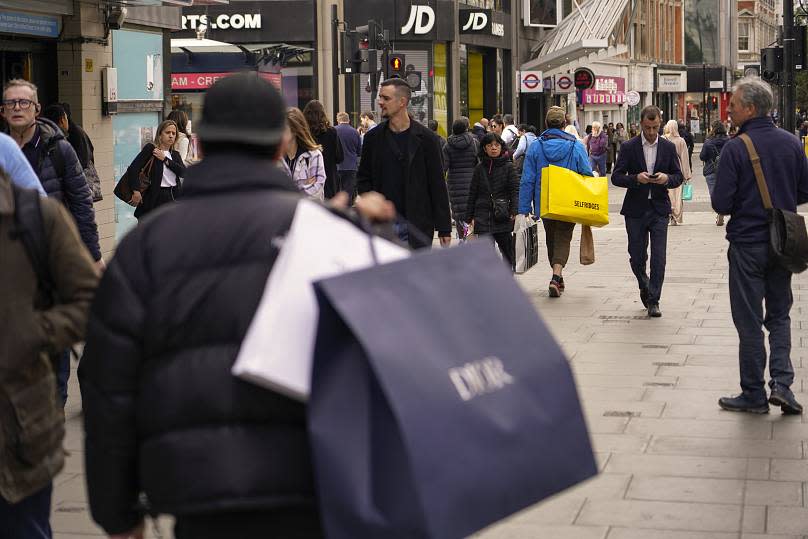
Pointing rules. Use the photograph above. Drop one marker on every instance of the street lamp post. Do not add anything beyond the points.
(705, 125)
(788, 112)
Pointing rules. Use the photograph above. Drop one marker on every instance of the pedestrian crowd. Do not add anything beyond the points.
(164, 321)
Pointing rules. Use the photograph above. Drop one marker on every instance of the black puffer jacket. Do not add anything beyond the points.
(163, 413)
(70, 189)
(710, 152)
(497, 177)
(459, 160)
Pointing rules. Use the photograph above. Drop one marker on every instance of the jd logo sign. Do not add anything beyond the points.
(475, 21)
(421, 21)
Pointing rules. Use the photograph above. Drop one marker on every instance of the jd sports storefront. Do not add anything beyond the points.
(423, 33)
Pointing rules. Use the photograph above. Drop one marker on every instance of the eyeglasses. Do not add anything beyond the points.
(23, 104)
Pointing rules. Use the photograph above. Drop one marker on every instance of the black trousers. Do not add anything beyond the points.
(347, 183)
(505, 242)
(279, 524)
(640, 230)
(154, 199)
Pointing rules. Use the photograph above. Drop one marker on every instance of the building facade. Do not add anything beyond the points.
(757, 29)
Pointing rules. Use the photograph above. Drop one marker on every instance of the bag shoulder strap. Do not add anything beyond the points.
(30, 228)
(761, 180)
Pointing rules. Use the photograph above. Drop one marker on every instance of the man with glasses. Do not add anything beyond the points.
(56, 165)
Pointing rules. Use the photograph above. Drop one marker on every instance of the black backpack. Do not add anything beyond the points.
(29, 227)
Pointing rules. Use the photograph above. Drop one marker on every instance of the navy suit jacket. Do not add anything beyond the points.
(631, 162)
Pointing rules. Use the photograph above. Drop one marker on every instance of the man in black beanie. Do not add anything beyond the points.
(164, 417)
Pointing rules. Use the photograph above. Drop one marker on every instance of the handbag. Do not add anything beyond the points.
(687, 191)
(422, 425)
(526, 243)
(123, 189)
(587, 250)
(500, 207)
(571, 197)
(788, 238)
(93, 181)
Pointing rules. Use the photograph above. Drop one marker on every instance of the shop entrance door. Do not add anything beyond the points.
(475, 87)
(15, 65)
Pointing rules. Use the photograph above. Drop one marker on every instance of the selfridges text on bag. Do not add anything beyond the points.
(425, 424)
(526, 243)
(571, 197)
(788, 238)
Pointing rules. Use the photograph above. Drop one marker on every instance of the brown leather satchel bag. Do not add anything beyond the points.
(123, 189)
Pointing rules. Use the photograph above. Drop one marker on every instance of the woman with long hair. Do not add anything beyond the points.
(330, 145)
(677, 206)
(304, 156)
(494, 195)
(163, 168)
(183, 143)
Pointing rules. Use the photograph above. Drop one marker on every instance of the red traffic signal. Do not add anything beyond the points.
(396, 66)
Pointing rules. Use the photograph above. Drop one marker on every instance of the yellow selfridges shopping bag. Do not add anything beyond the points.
(569, 196)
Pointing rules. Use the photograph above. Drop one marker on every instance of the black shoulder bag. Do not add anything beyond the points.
(788, 238)
(500, 207)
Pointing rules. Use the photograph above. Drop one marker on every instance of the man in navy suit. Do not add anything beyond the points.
(647, 167)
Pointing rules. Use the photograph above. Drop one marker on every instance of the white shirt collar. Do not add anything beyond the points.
(646, 143)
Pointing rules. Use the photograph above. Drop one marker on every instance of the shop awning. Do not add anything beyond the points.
(581, 39)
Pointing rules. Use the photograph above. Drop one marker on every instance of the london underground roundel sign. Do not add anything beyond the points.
(584, 79)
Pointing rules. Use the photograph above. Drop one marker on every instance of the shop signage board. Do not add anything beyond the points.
(606, 91)
(12, 22)
(203, 81)
(475, 21)
(584, 78)
(530, 82)
(564, 84)
(632, 98)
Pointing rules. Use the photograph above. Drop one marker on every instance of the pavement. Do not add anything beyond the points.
(673, 465)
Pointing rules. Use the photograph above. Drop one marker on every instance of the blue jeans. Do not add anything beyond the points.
(598, 162)
(63, 375)
(753, 280)
(640, 230)
(710, 178)
(27, 519)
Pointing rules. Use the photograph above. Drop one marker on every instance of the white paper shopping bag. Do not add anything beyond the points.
(278, 348)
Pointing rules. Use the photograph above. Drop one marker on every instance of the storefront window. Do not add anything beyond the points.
(498, 5)
(440, 83)
(464, 76)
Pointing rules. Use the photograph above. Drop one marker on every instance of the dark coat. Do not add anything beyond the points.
(81, 143)
(351, 147)
(427, 196)
(685, 134)
(736, 193)
(31, 418)
(492, 177)
(163, 413)
(459, 159)
(175, 164)
(710, 152)
(332, 155)
(70, 189)
(631, 162)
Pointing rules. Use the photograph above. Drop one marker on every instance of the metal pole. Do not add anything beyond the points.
(706, 126)
(788, 66)
(335, 69)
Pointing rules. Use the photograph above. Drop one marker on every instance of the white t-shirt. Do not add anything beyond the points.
(509, 134)
(169, 178)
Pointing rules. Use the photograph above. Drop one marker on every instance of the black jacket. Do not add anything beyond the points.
(459, 160)
(163, 414)
(631, 161)
(175, 164)
(70, 188)
(497, 177)
(710, 152)
(427, 197)
(332, 155)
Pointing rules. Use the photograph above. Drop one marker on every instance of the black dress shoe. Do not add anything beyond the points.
(784, 398)
(644, 297)
(653, 311)
(742, 403)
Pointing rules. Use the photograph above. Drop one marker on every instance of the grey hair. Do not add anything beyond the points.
(755, 92)
(13, 83)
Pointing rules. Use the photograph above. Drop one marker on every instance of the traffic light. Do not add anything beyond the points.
(771, 63)
(395, 66)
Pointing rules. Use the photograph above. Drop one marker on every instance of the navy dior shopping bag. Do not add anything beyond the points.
(426, 424)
